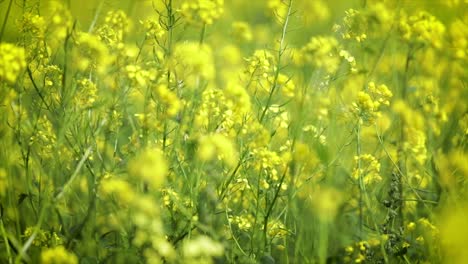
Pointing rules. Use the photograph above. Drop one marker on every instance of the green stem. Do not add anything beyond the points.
(270, 208)
(202, 34)
(5, 20)
(5, 238)
(37, 227)
(360, 178)
(278, 66)
(323, 241)
(364, 196)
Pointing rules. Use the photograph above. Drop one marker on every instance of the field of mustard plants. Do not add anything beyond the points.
(211, 131)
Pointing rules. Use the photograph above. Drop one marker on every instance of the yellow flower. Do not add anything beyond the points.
(112, 32)
(190, 61)
(369, 169)
(217, 146)
(168, 99)
(368, 103)
(325, 202)
(149, 166)
(422, 28)
(202, 246)
(12, 62)
(91, 53)
(58, 255)
(241, 31)
(202, 11)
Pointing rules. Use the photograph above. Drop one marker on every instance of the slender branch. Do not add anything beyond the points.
(278, 66)
(5, 20)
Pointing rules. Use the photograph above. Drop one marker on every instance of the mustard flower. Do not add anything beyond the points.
(58, 255)
(149, 166)
(91, 53)
(217, 146)
(326, 202)
(454, 233)
(86, 94)
(276, 229)
(237, 98)
(285, 84)
(312, 11)
(202, 11)
(241, 31)
(459, 38)
(261, 63)
(202, 247)
(41, 237)
(153, 30)
(59, 21)
(243, 222)
(190, 61)
(112, 31)
(422, 28)
(268, 162)
(137, 75)
(278, 9)
(368, 103)
(320, 52)
(168, 99)
(12, 62)
(354, 25)
(32, 24)
(368, 169)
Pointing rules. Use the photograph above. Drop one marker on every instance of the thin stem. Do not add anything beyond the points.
(5, 238)
(360, 178)
(401, 151)
(278, 66)
(364, 196)
(37, 227)
(5, 20)
(232, 233)
(75, 173)
(270, 208)
(202, 34)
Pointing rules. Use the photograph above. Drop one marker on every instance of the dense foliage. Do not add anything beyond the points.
(211, 131)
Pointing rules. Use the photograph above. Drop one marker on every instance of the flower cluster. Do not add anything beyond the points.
(43, 238)
(91, 53)
(233, 132)
(217, 146)
(168, 99)
(422, 28)
(367, 106)
(359, 24)
(415, 142)
(87, 93)
(367, 168)
(354, 26)
(153, 30)
(58, 255)
(113, 30)
(324, 52)
(268, 163)
(241, 31)
(202, 11)
(459, 38)
(150, 167)
(12, 62)
(201, 250)
(191, 61)
(260, 64)
(33, 24)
